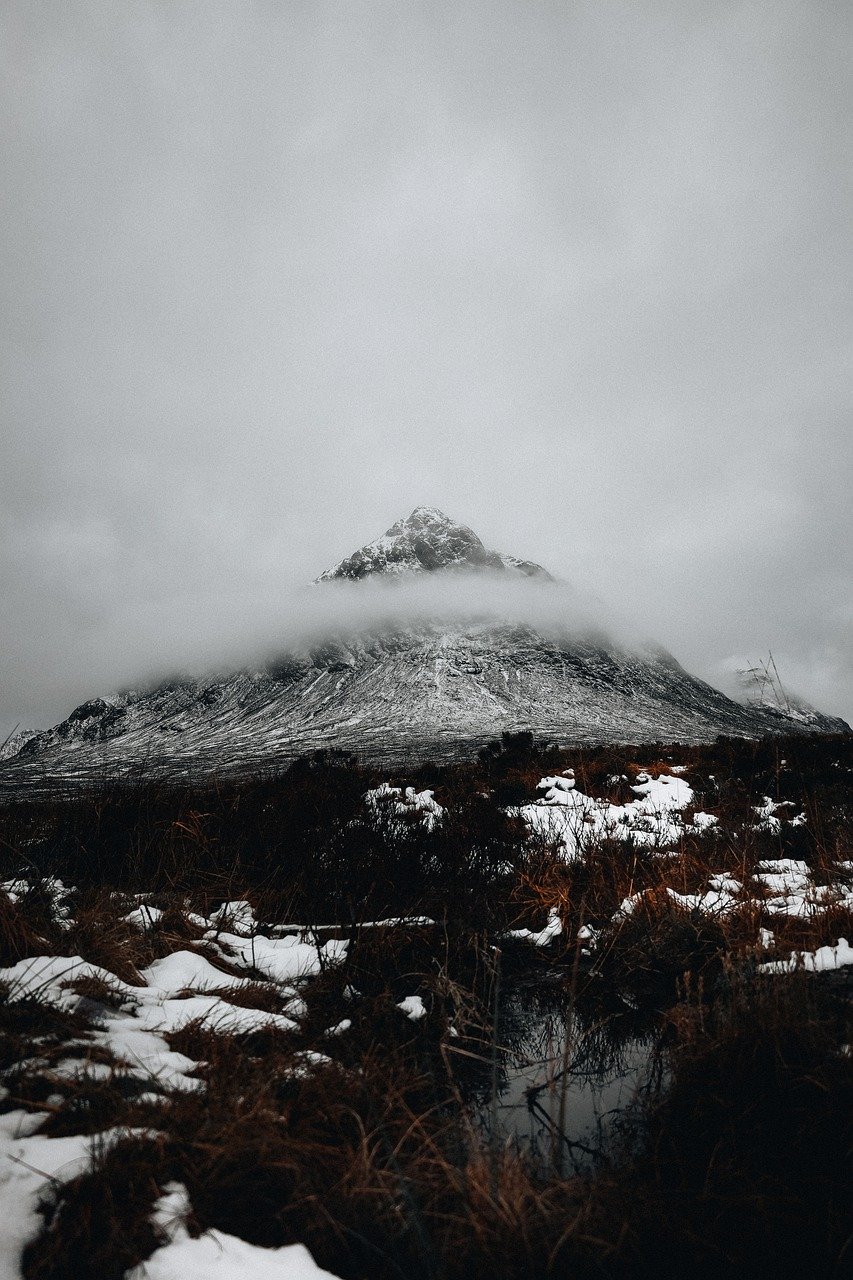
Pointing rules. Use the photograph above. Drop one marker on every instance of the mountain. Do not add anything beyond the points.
(15, 742)
(424, 683)
(426, 542)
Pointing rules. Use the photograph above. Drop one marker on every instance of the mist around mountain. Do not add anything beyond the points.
(423, 643)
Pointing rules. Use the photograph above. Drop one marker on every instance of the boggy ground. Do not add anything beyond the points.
(245, 1017)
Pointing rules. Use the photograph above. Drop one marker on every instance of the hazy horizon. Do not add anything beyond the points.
(576, 274)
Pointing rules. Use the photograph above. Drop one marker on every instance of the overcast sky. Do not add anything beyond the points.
(273, 273)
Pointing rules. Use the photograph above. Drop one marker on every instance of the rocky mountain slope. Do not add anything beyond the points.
(425, 688)
(426, 542)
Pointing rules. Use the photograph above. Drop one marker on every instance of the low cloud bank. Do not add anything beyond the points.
(451, 598)
(301, 618)
(142, 642)
(137, 643)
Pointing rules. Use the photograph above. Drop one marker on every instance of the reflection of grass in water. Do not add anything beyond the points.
(553, 1091)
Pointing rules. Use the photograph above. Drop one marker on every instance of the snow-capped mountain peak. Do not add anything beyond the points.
(421, 685)
(427, 541)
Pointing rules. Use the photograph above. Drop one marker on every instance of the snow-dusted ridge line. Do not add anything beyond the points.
(427, 541)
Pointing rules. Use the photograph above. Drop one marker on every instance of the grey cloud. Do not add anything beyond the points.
(273, 274)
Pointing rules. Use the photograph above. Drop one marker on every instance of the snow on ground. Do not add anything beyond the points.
(413, 1007)
(47, 979)
(767, 819)
(578, 821)
(553, 929)
(789, 889)
(176, 991)
(232, 931)
(281, 960)
(405, 804)
(718, 900)
(785, 888)
(588, 938)
(134, 1034)
(143, 916)
(237, 915)
(821, 961)
(702, 822)
(51, 890)
(784, 877)
(187, 970)
(29, 1165)
(311, 932)
(215, 1255)
(131, 1025)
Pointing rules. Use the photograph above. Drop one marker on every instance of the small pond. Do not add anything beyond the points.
(539, 1090)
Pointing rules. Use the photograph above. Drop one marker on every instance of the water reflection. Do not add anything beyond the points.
(570, 1071)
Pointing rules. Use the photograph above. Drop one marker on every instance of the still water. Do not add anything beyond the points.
(571, 1074)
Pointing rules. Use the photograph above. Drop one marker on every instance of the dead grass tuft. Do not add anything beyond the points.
(99, 1224)
(20, 936)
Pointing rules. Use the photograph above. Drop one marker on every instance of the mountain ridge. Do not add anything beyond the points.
(427, 541)
(407, 690)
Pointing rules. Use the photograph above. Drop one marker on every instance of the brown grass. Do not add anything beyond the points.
(20, 936)
(100, 1224)
(375, 1169)
(371, 1159)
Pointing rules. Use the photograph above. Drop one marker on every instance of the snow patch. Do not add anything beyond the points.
(29, 1164)
(215, 1255)
(553, 929)
(413, 1007)
(577, 821)
(823, 960)
(403, 804)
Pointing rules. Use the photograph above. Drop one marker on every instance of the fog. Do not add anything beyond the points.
(302, 618)
(273, 274)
